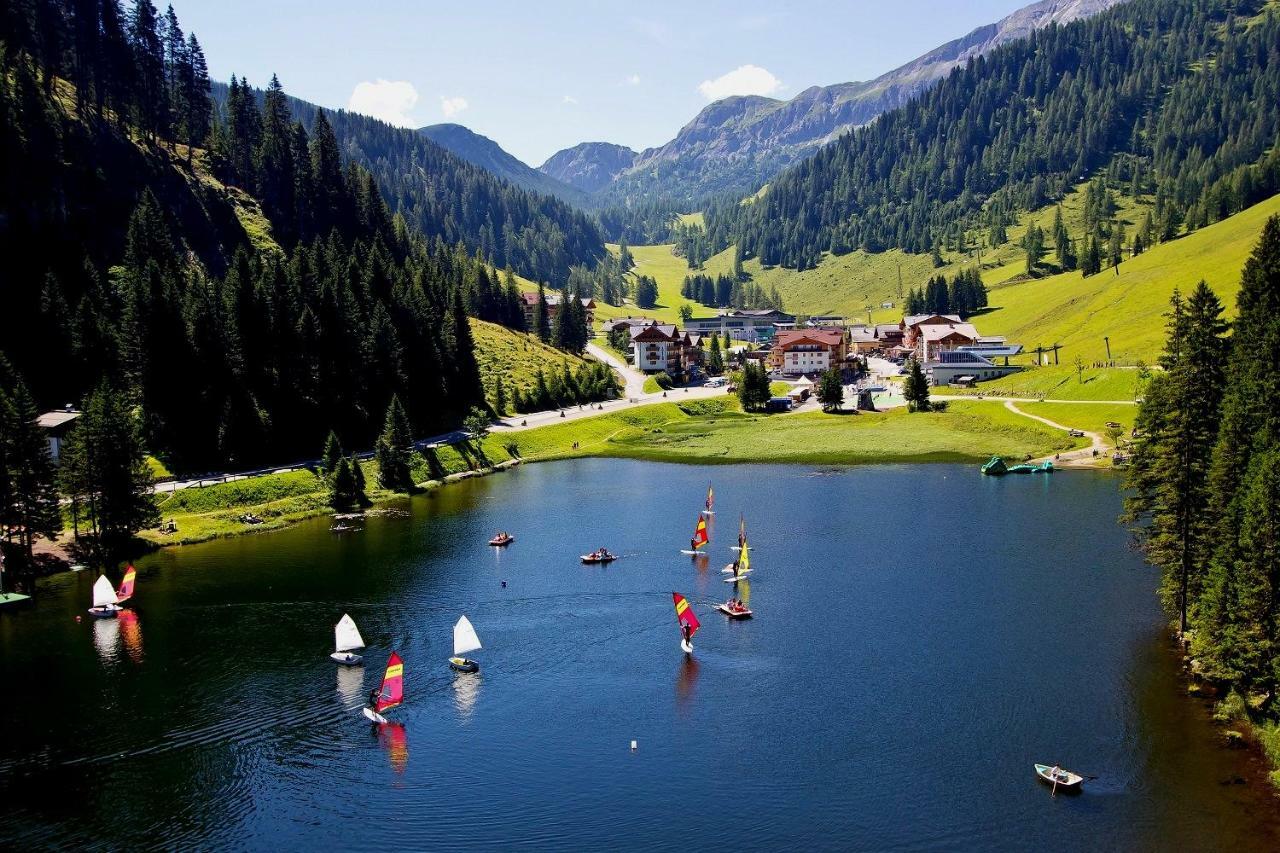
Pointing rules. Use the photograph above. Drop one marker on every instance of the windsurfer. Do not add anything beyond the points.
(374, 695)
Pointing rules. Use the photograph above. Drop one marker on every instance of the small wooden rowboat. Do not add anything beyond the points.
(1061, 779)
(498, 541)
(598, 559)
(733, 612)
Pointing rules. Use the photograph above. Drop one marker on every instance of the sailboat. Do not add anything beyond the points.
(104, 599)
(464, 640)
(346, 639)
(742, 534)
(740, 567)
(125, 592)
(391, 693)
(689, 624)
(711, 501)
(698, 544)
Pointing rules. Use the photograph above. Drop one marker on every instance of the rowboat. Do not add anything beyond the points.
(1059, 778)
(502, 539)
(598, 558)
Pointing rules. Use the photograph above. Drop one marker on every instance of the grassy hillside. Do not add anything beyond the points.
(1128, 307)
(514, 356)
(1060, 382)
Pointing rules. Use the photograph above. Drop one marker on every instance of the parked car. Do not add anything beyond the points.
(1076, 433)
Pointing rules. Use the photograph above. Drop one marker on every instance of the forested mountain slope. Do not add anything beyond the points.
(1179, 99)
(229, 276)
(442, 195)
(488, 155)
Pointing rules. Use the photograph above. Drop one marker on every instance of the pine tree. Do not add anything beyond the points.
(342, 487)
(830, 391)
(715, 359)
(499, 397)
(394, 449)
(541, 317)
(915, 390)
(1170, 498)
(32, 506)
(332, 454)
(104, 463)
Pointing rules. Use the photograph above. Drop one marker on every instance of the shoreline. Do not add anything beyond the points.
(678, 432)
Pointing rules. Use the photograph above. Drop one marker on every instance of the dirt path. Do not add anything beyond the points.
(1083, 458)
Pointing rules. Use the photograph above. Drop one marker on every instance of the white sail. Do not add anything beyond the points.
(103, 592)
(464, 637)
(346, 636)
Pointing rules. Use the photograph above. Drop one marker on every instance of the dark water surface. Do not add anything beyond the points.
(922, 636)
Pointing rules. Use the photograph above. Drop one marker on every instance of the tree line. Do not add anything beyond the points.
(1204, 481)
(1187, 95)
(963, 295)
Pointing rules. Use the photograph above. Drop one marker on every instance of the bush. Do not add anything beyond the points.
(665, 382)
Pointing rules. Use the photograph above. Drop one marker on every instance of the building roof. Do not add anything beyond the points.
(917, 319)
(862, 334)
(626, 322)
(56, 419)
(990, 351)
(942, 331)
(961, 358)
(654, 332)
(553, 298)
(799, 337)
(888, 330)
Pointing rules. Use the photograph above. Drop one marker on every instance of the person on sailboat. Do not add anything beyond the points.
(685, 632)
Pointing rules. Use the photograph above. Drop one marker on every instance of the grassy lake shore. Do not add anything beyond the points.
(714, 431)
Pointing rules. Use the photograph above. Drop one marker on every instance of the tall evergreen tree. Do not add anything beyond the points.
(394, 449)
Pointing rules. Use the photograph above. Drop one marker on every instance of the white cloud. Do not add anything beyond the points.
(743, 80)
(632, 80)
(568, 99)
(452, 106)
(389, 100)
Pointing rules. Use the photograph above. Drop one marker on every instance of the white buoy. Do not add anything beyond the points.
(633, 746)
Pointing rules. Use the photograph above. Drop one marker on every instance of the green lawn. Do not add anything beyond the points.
(714, 431)
(1060, 383)
(1087, 416)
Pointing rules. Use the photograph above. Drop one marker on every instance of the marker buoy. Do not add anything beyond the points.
(634, 746)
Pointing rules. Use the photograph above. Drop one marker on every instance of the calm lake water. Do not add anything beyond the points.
(922, 636)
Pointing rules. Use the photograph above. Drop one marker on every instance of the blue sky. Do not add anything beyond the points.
(541, 76)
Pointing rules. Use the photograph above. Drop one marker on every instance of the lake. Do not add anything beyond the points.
(922, 635)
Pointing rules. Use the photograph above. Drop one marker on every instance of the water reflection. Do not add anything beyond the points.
(466, 689)
(701, 561)
(686, 681)
(395, 740)
(131, 633)
(106, 638)
(351, 684)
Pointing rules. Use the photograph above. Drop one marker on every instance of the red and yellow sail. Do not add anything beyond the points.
(392, 684)
(685, 615)
(700, 534)
(125, 592)
(711, 497)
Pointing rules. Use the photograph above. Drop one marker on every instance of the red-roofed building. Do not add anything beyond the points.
(797, 352)
(530, 303)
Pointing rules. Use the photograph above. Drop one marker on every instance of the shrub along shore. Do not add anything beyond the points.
(712, 431)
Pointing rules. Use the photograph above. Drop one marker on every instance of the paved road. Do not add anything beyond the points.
(634, 396)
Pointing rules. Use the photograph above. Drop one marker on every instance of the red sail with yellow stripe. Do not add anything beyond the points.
(685, 616)
(711, 498)
(392, 685)
(125, 592)
(700, 535)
